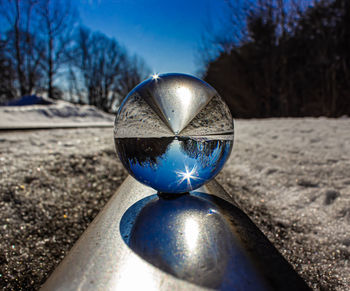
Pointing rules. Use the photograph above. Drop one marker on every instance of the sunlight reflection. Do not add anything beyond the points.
(188, 175)
(191, 233)
(212, 211)
(135, 268)
(185, 95)
(155, 77)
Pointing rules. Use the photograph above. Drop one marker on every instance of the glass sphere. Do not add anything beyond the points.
(174, 133)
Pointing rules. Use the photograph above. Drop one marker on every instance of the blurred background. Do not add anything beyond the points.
(267, 58)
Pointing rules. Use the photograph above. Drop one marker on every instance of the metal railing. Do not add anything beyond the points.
(225, 250)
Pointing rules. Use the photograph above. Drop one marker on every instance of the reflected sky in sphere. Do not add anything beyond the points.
(173, 164)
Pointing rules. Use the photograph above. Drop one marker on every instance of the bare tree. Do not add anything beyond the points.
(98, 61)
(102, 69)
(23, 46)
(58, 18)
(134, 71)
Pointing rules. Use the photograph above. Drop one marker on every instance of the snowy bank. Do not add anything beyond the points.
(60, 113)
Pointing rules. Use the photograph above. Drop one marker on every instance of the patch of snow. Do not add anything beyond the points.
(56, 114)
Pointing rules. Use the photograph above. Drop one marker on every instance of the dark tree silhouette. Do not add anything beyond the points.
(202, 150)
(142, 151)
(292, 60)
(7, 87)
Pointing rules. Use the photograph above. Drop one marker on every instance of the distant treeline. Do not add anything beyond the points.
(43, 50)
(283, 58)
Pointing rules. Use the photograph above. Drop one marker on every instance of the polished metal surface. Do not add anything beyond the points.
(189, 237)
(103, 260)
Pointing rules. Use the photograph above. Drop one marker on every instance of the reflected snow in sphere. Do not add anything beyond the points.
(173, 164)
(173, 132)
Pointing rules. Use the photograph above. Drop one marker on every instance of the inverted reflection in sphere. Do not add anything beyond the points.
(173, 164)
(173, 133)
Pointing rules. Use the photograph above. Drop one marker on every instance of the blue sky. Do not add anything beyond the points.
(165, 33)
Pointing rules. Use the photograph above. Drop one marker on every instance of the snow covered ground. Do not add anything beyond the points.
(291, 176)
(61, 113)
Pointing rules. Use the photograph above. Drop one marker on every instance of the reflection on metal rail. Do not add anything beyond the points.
(142, 241)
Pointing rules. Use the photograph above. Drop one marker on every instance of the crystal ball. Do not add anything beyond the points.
(173, 132)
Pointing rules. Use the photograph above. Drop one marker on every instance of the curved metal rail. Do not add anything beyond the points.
(104, 258)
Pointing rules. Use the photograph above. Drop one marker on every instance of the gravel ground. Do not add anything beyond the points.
(291, 176)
